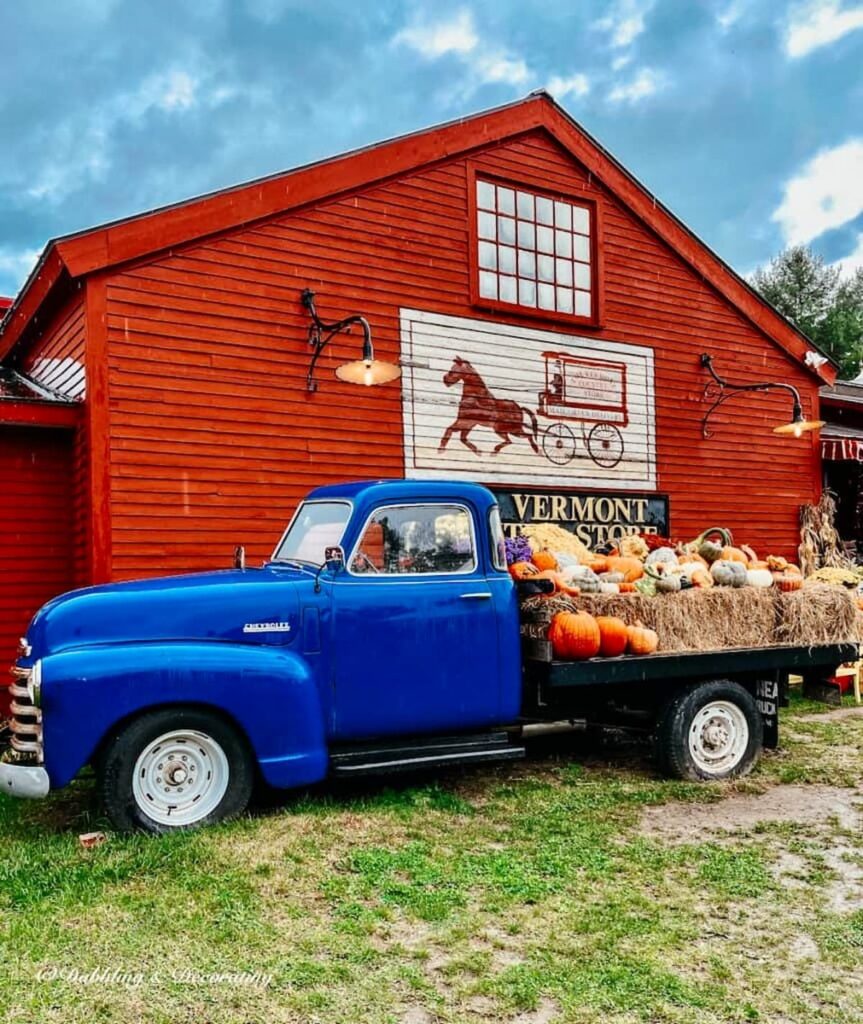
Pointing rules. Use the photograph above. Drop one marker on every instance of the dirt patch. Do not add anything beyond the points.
(547, 1010)
(846, 892)
(836, 715)
(802, 805)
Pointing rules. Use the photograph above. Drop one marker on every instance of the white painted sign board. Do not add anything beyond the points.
(503, 404)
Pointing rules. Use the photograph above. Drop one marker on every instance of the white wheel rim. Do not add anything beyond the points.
(718, 737)
(180, 778)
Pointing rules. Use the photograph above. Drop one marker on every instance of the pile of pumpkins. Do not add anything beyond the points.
(710, 560)
(577, 635)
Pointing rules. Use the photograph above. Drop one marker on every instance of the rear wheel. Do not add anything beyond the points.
(176, 768)
(711, 732)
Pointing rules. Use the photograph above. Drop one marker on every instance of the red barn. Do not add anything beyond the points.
(154, 409)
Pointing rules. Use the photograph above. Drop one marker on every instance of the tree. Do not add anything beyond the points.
(815, 298)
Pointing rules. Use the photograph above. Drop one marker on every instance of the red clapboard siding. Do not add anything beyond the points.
(36, 529)
(213, 438)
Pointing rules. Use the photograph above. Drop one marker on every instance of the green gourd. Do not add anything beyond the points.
(711, 550)
(668, 584)
(662, 582)
(728, 574)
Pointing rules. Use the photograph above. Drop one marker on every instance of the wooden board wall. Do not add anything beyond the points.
(214, 438)
(36, 526)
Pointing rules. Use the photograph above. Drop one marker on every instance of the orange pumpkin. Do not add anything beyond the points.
(641, 640)
(598, 563)
(632, 568)
(702, 578)
(545, 560)
(732, 554)
(793, 569)
(787, 582)
(627, 588)
(613, 636)
(522, 570)
(758, 563)
(750, 554)
(574, 635)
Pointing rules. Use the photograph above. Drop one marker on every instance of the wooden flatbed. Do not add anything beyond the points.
(759, 662)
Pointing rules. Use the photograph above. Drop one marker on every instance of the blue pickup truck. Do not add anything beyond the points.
(382, 635)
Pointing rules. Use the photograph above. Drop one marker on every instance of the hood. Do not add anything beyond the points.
(257, 606)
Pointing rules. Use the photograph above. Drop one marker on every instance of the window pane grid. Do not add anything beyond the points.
(533, 251)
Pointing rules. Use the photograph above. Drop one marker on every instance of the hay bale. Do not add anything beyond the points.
(717, 618)
(820, 613)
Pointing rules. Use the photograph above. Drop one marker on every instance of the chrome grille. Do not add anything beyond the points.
(26, 723)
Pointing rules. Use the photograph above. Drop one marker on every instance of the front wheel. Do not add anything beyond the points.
(711, 732)
(176, 768)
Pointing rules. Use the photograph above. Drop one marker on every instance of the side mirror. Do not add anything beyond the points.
(334, 558)
(239, 557)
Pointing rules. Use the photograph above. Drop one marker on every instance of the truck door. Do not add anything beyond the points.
(415, 632)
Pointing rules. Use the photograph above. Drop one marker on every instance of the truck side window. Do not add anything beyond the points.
(496, 539)
(416, 539)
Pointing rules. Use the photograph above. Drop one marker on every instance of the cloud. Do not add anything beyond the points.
(853, 261)
(458, 36)
(499, 67)
(625, 21)
(82, 149)
(825, 193)
(432, 40)
(620, 62)
(577, 85)
(16, 264)
(730, 15)
(820, 23)
(644, 84)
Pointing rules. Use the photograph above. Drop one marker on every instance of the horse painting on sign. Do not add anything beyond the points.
(508, 404)
(479, 407)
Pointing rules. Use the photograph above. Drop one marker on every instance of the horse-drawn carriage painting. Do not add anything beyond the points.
(494, 402)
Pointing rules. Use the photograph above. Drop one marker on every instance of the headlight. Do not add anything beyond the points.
(34, 684)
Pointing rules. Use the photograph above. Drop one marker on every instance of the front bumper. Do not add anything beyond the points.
(24, 780)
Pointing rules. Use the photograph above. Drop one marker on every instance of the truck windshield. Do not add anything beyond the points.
(317, 526)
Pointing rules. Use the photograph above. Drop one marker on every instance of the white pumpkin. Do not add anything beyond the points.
(688, 568)
(759, 577)
(608, 588)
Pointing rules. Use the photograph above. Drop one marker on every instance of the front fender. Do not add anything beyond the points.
(268, 691)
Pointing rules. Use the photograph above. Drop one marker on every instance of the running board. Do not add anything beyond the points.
(423, 752)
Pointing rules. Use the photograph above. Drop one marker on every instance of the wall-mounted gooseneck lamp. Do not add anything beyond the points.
(367, 370)
(720, 390)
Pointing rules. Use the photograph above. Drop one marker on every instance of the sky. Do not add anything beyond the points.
(744, 117)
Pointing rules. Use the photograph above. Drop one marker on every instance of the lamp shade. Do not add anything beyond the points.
(368, 372)
(798, 427)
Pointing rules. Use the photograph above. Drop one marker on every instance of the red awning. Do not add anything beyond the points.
(842, 449)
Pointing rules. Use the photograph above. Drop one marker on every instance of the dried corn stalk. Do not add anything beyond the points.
(820, 544)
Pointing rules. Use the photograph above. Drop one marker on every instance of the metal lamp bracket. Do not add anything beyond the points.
(719, 390)
(321, 332)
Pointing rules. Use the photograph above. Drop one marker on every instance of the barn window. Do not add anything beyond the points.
(534, 251)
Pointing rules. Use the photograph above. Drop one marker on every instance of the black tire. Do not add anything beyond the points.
(129, 743)
(679, 729)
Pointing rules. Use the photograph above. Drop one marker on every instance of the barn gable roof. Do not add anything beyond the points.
(97, 249)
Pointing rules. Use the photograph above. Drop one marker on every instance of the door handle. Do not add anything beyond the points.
(481, 595)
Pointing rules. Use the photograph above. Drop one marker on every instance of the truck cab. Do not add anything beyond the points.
(386, 611)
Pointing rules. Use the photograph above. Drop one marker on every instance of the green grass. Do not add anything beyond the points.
(526, 892)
